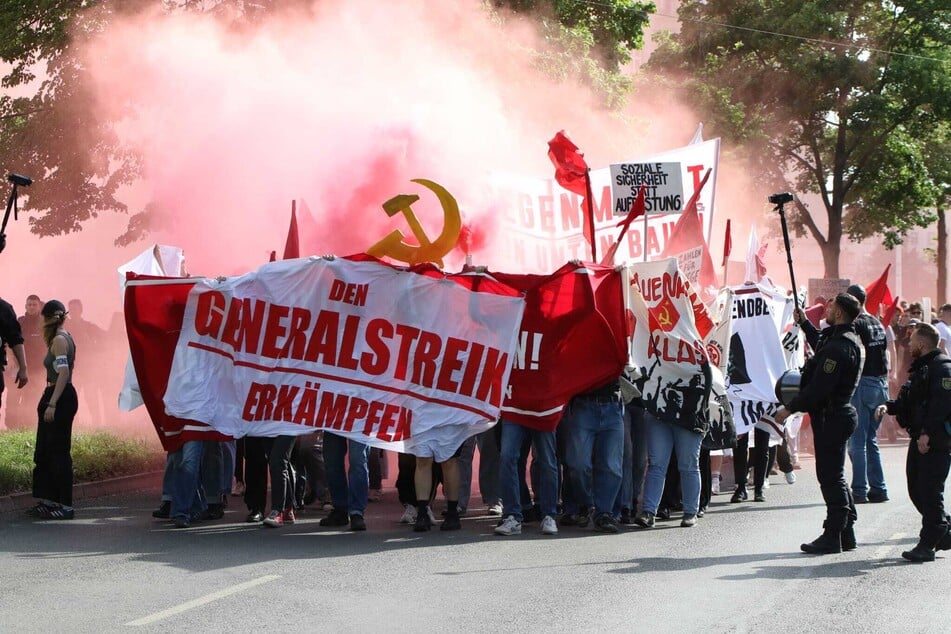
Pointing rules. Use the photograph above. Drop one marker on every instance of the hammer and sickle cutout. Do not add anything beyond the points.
(393, 246)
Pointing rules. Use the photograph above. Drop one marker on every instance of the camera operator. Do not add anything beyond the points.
(923, 407)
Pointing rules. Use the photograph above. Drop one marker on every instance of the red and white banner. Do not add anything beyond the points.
(542, 222)
(573, 338)
(679, 351)
(413, 361)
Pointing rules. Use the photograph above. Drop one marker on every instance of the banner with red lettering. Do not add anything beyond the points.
(542, 222)
(678, 348)
(573, 338)
(412, 362)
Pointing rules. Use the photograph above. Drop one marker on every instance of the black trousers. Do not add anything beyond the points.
(706, 479)
(759, 455)
(926, 474)
(831, 435)
(53, 473)
(257, 452)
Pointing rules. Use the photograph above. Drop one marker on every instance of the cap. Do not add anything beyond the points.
(52, 307)
(857, 292)
(848, 303)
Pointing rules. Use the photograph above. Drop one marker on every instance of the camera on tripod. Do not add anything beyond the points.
(781, 199)
(19, 179)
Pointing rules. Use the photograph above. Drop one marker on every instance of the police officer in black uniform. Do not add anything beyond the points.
(923, 407)
(828, 383)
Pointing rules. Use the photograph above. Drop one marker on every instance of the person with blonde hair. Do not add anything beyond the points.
(53, 471)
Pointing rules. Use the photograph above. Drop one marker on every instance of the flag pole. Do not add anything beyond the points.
(645, 235)
(590, 215)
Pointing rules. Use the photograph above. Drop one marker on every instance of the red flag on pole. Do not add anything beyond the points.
(571, 172)
(890, 312)
(292, 245)
(727, 243)
(877, 293)
(638, 209)
(688, 234)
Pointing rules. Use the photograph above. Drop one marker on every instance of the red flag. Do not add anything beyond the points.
(292, 246)
(571, 172)
(688, 234)
(877, 293)
(638, 209)
(890, 312)
(727, 243)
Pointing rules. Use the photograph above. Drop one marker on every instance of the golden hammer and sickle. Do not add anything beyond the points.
(428, 250)
(664, 317)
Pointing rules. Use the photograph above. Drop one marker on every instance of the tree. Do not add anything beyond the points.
(587, 41)
(937, 157)
(834, 98)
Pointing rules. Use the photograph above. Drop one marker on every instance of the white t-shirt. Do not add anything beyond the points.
(945, 333)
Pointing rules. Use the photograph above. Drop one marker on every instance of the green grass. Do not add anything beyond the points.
(96, 456)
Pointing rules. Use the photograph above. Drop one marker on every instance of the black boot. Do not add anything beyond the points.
(848, 538)
(337, 517)
(826, 544)
(945, 542)
(740, 495)
(919, 554)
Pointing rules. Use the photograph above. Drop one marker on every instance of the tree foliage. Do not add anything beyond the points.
(833, 98)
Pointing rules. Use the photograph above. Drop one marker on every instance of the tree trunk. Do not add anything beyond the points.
(942, 257)
(830, 258)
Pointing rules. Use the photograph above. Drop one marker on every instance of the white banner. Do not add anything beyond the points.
(663, 187)
(541, 222)
(393, 358)
(765, 343)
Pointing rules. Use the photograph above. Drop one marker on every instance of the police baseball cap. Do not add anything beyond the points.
(857, 292)
(52, 307)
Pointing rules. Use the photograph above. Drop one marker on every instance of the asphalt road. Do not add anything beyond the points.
(739, 570)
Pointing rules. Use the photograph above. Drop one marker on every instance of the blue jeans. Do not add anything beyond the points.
(867, 472)
(168, 479)
(626, 492)
(595, 451)
(639, 443)
(662, 439)
(187, 498)
(348, 491)
(543, 442)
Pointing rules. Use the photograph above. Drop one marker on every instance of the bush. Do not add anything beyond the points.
(96, 456)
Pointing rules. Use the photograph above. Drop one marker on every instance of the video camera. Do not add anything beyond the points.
(781, 199)
(19, 179)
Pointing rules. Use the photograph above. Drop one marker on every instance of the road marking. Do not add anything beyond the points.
(208, 598)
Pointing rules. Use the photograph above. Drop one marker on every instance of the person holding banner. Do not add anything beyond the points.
(424, 486)
(349, 490)
(829, 380)
(683, 434)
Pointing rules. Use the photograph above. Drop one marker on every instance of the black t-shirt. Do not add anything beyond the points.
(874, 340)
(9, 330)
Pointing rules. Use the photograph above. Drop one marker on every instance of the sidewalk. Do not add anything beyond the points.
(88, 490)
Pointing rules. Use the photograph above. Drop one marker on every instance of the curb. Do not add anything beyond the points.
(90, 490)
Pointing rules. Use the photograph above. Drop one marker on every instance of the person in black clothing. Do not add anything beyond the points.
(923, 407)
(53, 471)
(868, 475)
(828, 383)
(12, 337)
(21, 407)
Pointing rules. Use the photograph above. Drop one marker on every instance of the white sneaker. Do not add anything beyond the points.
(791, 477)
(510, 526)
(766, 483)
(549, 525)
(715, 486)
(409, 514)
(495, 509)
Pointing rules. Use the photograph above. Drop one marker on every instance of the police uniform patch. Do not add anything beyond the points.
(946, 383)
(829, 366)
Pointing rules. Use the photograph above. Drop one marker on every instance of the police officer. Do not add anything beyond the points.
(828, 383)
(923, 407)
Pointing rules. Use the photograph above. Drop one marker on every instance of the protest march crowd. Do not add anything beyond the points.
(596, 395)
